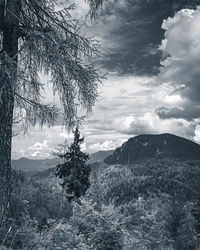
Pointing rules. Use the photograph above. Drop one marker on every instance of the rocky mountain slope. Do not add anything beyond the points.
(154, 146)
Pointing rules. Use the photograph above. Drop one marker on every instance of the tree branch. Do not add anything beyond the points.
(44, 113)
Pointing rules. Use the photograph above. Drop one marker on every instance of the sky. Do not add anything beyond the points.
(150, 50)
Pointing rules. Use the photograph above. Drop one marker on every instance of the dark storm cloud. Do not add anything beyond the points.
(188, 113)
(134, 33)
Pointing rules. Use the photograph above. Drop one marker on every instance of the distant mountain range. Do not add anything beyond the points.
(154, 146)
(44, 167)
(30, 166)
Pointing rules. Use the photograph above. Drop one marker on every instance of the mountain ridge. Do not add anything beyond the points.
(31, 166)
(154, 146)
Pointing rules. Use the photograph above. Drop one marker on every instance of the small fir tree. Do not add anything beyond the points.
(74, 172)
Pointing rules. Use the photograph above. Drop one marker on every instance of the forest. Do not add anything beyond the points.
(152, 204)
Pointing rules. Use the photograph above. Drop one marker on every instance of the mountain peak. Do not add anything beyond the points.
(152, 146)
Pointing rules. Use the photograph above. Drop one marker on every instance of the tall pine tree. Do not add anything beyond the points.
(75, 171)
(41, 36)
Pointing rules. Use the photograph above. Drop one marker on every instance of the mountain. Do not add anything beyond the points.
(154, 146)
(99, 156)
(30, 166)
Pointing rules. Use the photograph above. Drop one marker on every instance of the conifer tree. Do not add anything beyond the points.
(41, 36)
(75, 171)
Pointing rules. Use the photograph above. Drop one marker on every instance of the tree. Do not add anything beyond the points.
(41, 36)
(74, 171)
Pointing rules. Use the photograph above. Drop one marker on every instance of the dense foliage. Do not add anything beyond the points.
(150, 205)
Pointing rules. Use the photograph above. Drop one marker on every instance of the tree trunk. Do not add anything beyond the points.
(8, 79)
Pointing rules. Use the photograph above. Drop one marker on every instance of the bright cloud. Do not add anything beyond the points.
(150, 123)
(197, 134)
(39, 146)
(106, 145)
(35, 154)
(180, 68)
(173, 99)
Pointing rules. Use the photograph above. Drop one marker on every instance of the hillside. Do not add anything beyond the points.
(100, 156)
(154, 146)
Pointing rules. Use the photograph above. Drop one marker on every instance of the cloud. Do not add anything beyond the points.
(180, 68)
(150, 123)
(188, 113)
(39, 146)
(197, 134)
(35, 154)
(106, 145)
(39, 140)
(130, 33)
